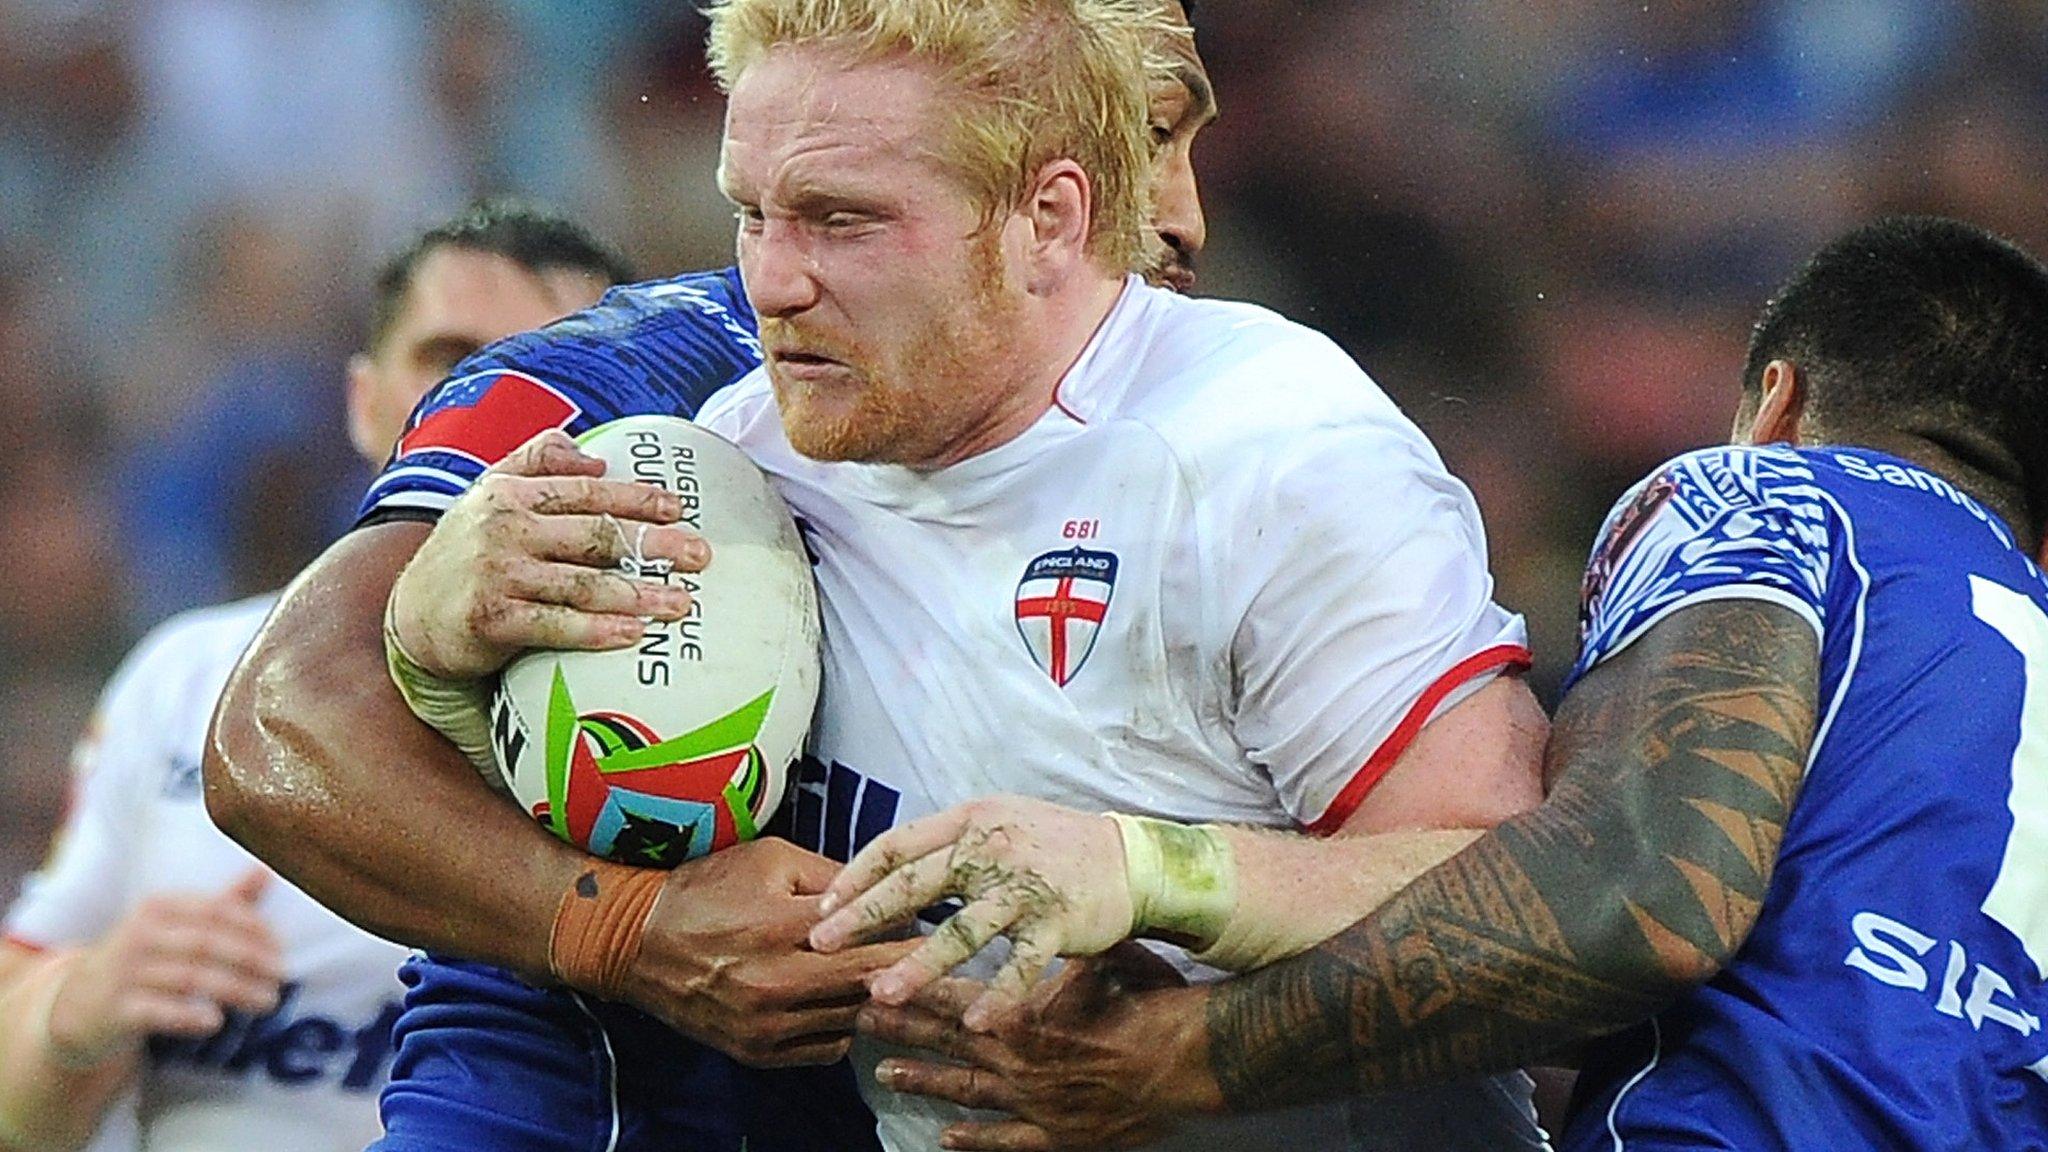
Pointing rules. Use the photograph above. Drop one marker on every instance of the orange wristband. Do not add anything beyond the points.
(599, 925)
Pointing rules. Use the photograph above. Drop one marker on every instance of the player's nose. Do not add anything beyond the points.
(1179, 210)
(780, 277)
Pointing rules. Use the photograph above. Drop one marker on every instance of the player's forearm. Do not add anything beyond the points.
(1637, 879)
(46, 1104)
(1295, 891)
(316, 765)
(1479, 763)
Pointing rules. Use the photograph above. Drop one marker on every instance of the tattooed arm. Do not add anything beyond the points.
(1674, 766)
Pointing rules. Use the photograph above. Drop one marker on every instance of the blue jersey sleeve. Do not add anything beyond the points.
(657, 348)
(1721, 523)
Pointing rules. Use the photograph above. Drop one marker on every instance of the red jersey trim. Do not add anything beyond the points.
(1499, 657)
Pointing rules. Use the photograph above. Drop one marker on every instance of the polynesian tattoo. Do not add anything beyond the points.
(1673, 766)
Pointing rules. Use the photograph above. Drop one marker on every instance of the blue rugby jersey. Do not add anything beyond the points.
(660, 347)
(1890, 995)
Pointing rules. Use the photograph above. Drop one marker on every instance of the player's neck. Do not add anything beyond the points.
(1973, 463)
(1050, 343)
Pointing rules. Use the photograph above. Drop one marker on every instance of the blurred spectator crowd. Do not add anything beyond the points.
(1543, 227)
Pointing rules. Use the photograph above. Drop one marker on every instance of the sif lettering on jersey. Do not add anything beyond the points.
(660, 348)
(288, 1047)
(834, 811)
(1747, 522)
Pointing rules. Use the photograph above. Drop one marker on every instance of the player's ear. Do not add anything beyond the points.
(1057, 211)
(1781, 407)
(362, 418)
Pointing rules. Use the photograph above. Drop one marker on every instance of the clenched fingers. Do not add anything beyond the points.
(596, 591)
(518, 624)
(913, 1027)
(999, 1136)
(962, 1084)
(249, 950)
(806, 1050)
(604, 541)
(215, 985)
(596, 496)
(159, 1013)
(809, 980)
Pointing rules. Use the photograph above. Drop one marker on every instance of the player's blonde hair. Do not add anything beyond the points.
(1039, 80)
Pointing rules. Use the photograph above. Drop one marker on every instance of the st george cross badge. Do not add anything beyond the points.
(1060, 605)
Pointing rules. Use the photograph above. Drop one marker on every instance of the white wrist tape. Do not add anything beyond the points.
(1249, 942)
(1183, 877)
(457, 709)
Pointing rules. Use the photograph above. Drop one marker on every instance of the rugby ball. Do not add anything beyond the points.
(680, 745)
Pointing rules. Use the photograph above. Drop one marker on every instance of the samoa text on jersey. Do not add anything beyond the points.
(1892, 990)
(1165, 597)
(302, 1076)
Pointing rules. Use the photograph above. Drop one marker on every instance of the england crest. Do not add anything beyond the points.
(1060, 605)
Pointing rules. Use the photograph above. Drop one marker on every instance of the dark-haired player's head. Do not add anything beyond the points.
(1182, 103)
(1921, 336)
(499, 268)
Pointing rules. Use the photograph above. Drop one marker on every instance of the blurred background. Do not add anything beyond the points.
(1543, 227)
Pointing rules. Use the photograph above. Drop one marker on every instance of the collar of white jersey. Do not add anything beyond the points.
(1103, 369)
(1093, 381)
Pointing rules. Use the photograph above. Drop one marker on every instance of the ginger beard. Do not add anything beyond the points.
(908, 404)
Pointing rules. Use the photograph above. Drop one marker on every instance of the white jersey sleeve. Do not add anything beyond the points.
(78, 894)
(1354, 565)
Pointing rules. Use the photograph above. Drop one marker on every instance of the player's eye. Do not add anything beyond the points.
(1162, 135)
(750, 218)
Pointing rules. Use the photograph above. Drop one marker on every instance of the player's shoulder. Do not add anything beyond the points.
(1708, 483)
(1729, 494)
(697, 305)
(1223, 375)
(679, 338)
(1199, 360)
(1757, 522)
(705, 306)
(658, 348)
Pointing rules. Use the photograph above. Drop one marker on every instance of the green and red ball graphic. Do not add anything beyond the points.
(616, 789)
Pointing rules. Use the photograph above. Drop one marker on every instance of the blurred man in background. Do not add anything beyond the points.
(153, 974)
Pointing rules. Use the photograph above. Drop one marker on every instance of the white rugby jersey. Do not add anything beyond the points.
(305, 1077)
(1223, 579)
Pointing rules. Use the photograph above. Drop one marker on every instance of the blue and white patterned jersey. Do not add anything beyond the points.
(660, 347)
(1892, 991)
